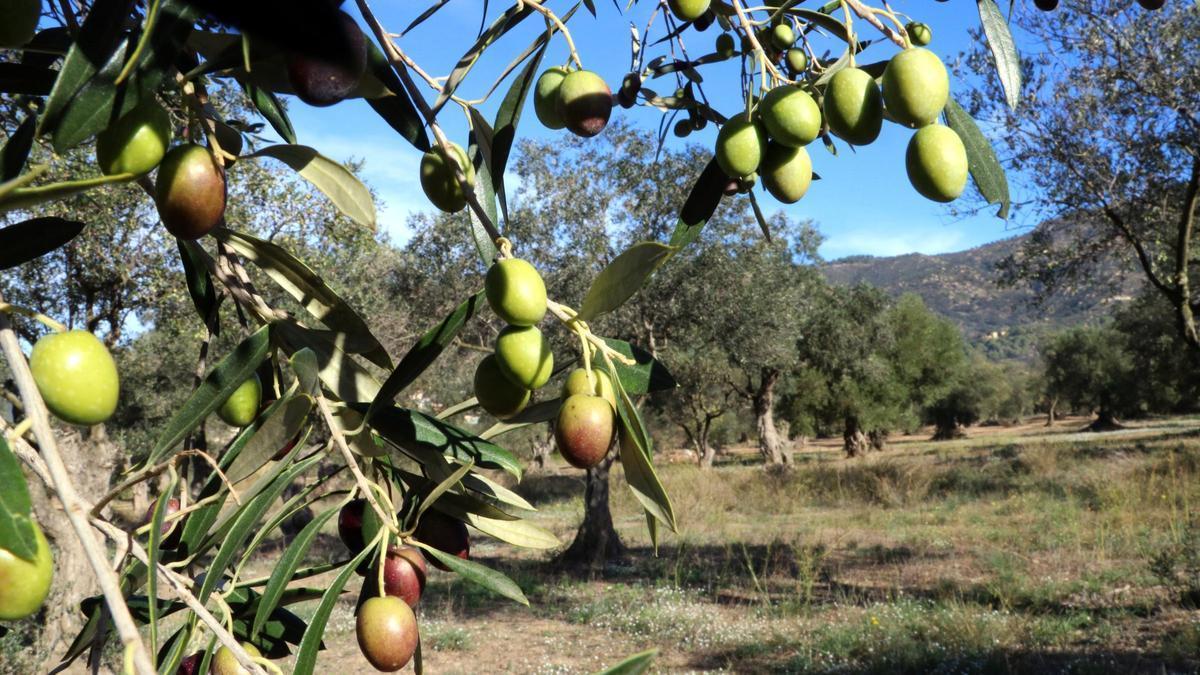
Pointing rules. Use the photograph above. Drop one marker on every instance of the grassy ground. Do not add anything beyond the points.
(1014, 550)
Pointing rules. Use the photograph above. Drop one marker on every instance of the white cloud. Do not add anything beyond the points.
(889, 241)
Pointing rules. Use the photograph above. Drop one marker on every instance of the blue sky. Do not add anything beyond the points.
(863, 205)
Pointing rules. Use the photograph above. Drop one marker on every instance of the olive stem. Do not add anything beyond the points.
(536, 6)
(364, 485)
(181, 586)
(399, 64)
(152, 471)
(747, 25)
(868, 16)
(570, 318)
(73, 504)
(37, 316)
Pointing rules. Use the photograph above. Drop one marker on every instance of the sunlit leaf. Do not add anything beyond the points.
(985, 168)
(623, 277)
(1004, 50)
(346, 192)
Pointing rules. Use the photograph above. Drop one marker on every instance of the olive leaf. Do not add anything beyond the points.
(1004, 50)
(346, 192)
(16, 528)
(622, 277)
(32, 239)
(985, 168)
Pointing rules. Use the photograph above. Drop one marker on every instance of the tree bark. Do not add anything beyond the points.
(707, 451)
(1050, 411)
(763, 403)
(854, 441)
(542, 448)
(878, 439)
(1106, 420)
(597, 541)
(948, 429)
(91, 459)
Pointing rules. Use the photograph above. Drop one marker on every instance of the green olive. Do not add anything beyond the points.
(439, 182)
(76, 376)
(136, 142)
(915, 87)
(24, 584)
(524, 356)
(545, 97)
(791, 115)
(782, 37)
(786, 172)
(797, 61)
(497, 394)
(584, 103)
(853, 106)
(937, 163)
(241, 407)
(225, 663)
(515, 291)
(688, 10)
(919, 33)
(577, 383)
(740, 145)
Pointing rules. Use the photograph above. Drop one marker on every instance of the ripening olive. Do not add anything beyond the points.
(524, 356)
(387, 632)
(688, 10)
(584, 430)
(76, 376)
(740, 145)
(438, 178)
(937, 163)
(577, 383)
(325, 80)
(136, 142)
(190, 191)
(446, 534)
(797, 61)
(915, 87)
(24, 584)
(786, 172)
(225, 663)
(545, 97)
(1151, 4)
(584, 103)
(497, 394)
(515, 291)
(404, 572)
(919, 33)
(1046, 5)
(682, 128)
(853, 106)
(241, 407)
(791, 115)
(18, 21)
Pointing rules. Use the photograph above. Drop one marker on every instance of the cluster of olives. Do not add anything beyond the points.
(768, 142)
(190, 185)
(522, 360)
(385, 625)
(578, 100)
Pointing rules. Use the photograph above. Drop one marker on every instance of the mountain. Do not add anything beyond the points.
(962, 286)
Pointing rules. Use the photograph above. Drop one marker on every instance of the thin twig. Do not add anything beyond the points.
(73, 505)
(364, 485)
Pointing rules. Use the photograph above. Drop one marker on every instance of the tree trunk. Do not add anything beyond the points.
(1050, 412)
(542, 448)
(878, 439)
(706, 450)
(764, 416)
(1106, 420)
(948, 429)
(854, 441)
(90, 460)
(596, 542)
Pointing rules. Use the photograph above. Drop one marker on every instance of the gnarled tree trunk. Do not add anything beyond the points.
(597, 541)
(1051, 409)
(763, 403)
(854, 441)
(1106, 420)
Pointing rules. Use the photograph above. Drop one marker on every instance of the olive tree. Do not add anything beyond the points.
(1108, 137)
(310, 387)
